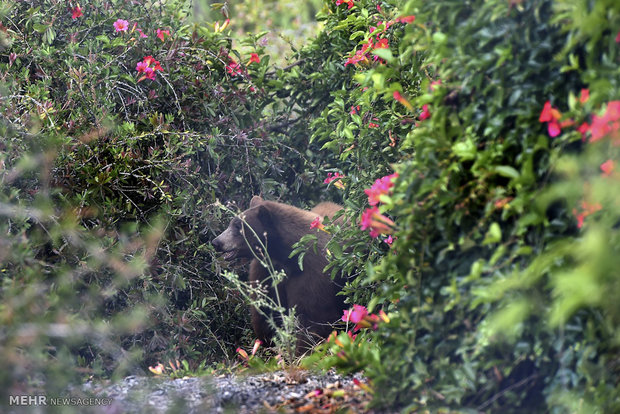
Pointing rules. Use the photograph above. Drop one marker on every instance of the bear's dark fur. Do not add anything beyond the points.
(278, 226)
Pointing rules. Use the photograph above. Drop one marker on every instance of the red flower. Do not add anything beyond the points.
(373, 125)
(426, 114)
(254, 58)
(161, 34)
(150, 60)
(586, 210)
(618, 37)
(402, 100)
(382, 44)
(607, 167)
(76, 12)
(349, 3)
(233, 68)
(549, 113)
(584, 96)
(406, 19)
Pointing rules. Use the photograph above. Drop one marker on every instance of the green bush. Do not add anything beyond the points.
(129, 174)
(479, 199)
(500, 282)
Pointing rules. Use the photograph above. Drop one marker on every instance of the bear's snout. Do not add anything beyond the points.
(217, 244)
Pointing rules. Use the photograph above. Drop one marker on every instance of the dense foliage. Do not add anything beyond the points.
(125, 128)
(503, 277)
(473, 145)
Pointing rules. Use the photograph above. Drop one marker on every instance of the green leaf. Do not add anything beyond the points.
(103, 39)
(385, 54)
(465, 150)
(494, 234)
(506, 171)
(39, 27)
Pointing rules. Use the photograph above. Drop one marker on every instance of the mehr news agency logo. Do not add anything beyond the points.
(44, 400)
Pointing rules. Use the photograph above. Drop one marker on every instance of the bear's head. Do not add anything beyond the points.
(246, 235)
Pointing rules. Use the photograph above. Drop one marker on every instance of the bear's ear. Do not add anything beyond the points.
(264, 216)
(256, 200)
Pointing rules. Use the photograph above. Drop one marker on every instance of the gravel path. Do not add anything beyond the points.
(281, 391)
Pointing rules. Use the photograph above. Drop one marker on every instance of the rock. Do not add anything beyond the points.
(281, 391)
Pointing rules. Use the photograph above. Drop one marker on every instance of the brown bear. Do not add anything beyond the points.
(276, 227)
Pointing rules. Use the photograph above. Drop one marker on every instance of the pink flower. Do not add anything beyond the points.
(254, 58)
(435, 84)
(426, 114)
(161, 34)
(607, 167)
(149, 73)
(141, 33)
(606, 124)
(381, 186)
(336, 179)
(121, 25)
(389, 240)
(76, 12)
(157, 369)
(618, 37)
(316, 223)
(257, 344)
(242, 354)
(376, 222)
(356, 315)
(146, 68)
(150, 60)
(219, 28)
(141, 66)
(554, 129)
(584, 96)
